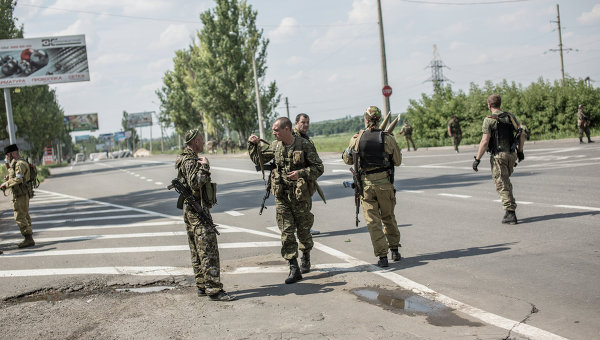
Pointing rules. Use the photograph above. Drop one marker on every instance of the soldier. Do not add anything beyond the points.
(298, 166)
(301, 130)
(583, 123)
(17, 180)
(377, 153)
(499, 140)
(231, 145)
(455, 132)
(407, 130)
(224, 145)
(195, 172)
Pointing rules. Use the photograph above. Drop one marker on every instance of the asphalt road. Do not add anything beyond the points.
(537, 279)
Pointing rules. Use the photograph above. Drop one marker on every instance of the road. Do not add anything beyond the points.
(115, 220)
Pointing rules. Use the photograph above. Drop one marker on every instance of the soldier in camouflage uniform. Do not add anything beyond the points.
(301, 130)
(298, 166)
(378, 153)
(583, 123)
(407, 131)
(455, 132)
(17, 180)
(195, 172)
(498, 138)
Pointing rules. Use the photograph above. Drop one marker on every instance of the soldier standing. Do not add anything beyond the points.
(301, 130)
(231, 145)
(583, 123)
(195, 172)
(297, 166)
(455, 132)
(499, 140)
(407, 130)
(377, 153)
(17, 181)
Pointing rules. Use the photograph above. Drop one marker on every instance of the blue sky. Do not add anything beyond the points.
(323, 54)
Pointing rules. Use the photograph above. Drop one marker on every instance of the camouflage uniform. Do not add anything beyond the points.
(454, 127)
(202, 241)
(407, 130)
(583, 123)
(503, 161)
(18, 175)
(224, 145)
(231, 145)
(379, 196)
(292, 197)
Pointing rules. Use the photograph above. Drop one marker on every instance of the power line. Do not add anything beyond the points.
(462, 3)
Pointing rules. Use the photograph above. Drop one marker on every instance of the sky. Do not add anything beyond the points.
(323, 54)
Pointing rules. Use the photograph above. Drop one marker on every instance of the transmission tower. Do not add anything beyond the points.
(437, 69)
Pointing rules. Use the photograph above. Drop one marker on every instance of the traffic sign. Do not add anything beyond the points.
(387, 91)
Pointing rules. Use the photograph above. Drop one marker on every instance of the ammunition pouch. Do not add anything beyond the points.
(19, 190)
(301, 191)
(312, 187)
(276, 184)
(209, 194)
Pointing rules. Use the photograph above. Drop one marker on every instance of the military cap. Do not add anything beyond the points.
(190, 135)
(10, 148)
(373, 114)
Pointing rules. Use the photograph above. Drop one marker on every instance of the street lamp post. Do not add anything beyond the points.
(261, 130)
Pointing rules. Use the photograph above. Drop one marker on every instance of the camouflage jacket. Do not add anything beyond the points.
(297, 133)
(18, 175)
(194, 174)
(300, 156)
(454, 127)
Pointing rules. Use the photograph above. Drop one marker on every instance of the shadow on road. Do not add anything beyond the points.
(557, 216)
(424, 259)
(300, 288)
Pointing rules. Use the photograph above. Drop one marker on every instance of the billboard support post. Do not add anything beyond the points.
(9, 116)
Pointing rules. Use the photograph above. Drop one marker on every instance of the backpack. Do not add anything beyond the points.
(33, 182)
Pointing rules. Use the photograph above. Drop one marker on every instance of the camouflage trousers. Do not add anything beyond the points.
(294, 217)
(205, 254)
(408, 139)
(456, 138)
(378, 204)
(584, 128)
(502, 167)
(21, 212)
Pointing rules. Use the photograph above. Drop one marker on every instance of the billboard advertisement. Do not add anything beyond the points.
(41, 61)
(81, 138)
(120, 136)
(139, 119)
(83, 122)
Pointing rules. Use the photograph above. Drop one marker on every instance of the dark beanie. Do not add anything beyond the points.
(10, 148)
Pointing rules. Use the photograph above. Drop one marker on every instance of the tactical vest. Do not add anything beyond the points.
(25, 187)
(371, 151)
(504, 133)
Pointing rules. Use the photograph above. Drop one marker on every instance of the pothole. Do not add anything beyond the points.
(406, 302)
(145, 289)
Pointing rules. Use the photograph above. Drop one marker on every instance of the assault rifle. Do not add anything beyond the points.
(355, 184)
(269, 167)
(202, 213)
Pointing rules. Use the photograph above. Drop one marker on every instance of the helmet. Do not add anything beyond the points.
(373, 114)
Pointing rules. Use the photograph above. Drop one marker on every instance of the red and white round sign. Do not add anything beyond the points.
(387, 91)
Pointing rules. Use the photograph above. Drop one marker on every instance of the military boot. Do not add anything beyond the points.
(383, 262)
(295, 274)
(28, 242)
(580, 141)
(590, 141)
(305, 262)
(509, 217)
(221, 296)
(396, 255)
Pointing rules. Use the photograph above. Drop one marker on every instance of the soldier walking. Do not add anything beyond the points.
(195, 172)
(455, 132)
(583, 123)
(377, 153)
(301, 130)
(500, 141)
(407, 131)
(17, 181)
(297, 166)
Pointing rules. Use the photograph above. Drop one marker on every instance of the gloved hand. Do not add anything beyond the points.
(520, 156)
(476, 163)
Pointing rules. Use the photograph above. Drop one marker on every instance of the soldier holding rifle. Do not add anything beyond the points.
(375, 153)
(297, 166)
(194, 173)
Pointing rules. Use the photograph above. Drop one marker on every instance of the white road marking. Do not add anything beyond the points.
(338, 170)
(144, 271)
(576, 207)
(234, 213)
(454, 195)
(149, 180)
(75, 220)
(158, 183)
(236, 170)
(100, 227)
(136, 175)
(122, 250)
(413, 191)
(328, 182)
(143, 177)
(274, 229)
(518, 202)
(326, 267)
(82, 212)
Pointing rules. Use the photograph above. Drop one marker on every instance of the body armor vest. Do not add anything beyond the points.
(371, 150)
(504, 133)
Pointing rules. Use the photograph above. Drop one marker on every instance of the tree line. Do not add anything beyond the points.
(38, 117)
(211, 85)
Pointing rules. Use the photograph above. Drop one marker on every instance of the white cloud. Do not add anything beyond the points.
(174, 35)
(456, 29)
(78, 27)
(297, 75)
(295, 60)
(286, 29)
(591, 17)
(456, 45)
(113, 58)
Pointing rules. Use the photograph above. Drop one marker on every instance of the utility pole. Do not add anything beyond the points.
(261, 131)
(386, 100)
(287, 107)
(560, 49)
(437, 69)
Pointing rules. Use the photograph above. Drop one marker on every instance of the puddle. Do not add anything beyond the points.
(406, 302)
(145, 289)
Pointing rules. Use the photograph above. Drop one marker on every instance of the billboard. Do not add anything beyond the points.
(106, 137)
(83, 122)
(139, 119)
(40, 61)
(120, 136)
(81, 138)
